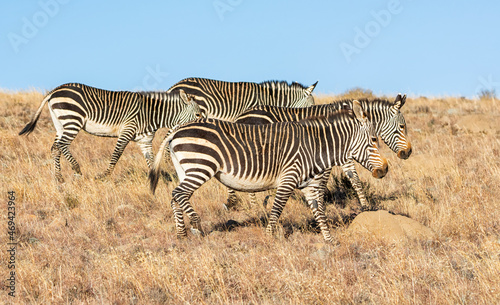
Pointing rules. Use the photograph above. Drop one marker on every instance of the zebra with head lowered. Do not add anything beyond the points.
(129, 116)
(253, 158)
(227, 100)
(388, 121)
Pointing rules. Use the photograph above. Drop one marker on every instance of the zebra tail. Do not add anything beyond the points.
(32, 124)
(154, 172)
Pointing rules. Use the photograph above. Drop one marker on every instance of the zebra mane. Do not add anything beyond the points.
(161, 95)
(283, 84)
(376, 102)
(331, 117)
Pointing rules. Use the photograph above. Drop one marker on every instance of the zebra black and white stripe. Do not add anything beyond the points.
(129, 116)
(388, 121)
(227, 100)
(259, 157)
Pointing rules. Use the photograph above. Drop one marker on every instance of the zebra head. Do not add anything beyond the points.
(191, 111)
(306, 99)
(283, 94)
(366, 150)
(394, 132)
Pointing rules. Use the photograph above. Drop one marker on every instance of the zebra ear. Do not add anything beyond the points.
(310, 89)
(184, 96)
(400, 101)
(345, 106)
(358, 111)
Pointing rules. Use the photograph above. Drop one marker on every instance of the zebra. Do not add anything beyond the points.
(253, 158)
(388, 121)
(227, 100)
(122, 114)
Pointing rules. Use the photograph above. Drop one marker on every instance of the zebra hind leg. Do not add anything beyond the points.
(123, 140)
(146, 145)
(178, 218)
(56, 155)
(63, 145)
(181, 195)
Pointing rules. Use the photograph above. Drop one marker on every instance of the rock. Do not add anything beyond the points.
(390, 228)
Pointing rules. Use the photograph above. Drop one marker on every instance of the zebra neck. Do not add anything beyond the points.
(333, 145)
(379, 113)
(159, 111)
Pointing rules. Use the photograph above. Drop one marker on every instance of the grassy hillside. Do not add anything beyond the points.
(112, 242)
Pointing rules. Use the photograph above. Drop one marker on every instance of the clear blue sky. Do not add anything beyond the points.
(416, 47)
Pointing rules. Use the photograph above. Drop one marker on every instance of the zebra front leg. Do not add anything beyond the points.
(283, 192)
(253, 199)
(124, 138)
(232, 199)
(351, 173)
(323, 186)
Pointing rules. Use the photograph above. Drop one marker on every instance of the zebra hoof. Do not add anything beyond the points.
(229, 207)
(197, 232)
(60, 179)
(101, 177)
(332, 242)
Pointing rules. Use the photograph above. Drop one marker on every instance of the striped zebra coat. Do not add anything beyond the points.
(228, 100)
(259, 157)
(128, 116)
(388, 121)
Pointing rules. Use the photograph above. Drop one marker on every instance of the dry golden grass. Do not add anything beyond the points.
(112, 242)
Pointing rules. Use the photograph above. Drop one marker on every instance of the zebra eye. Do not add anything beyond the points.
(402, 126)
(374, 139)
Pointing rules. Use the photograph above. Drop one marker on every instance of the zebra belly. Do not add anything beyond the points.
(245, 184)
(102, 130)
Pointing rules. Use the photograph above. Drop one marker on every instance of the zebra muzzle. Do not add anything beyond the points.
(381, 171)
(405, 153)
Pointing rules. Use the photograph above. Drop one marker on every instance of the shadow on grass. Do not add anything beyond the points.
(289, 227)
(339, 193)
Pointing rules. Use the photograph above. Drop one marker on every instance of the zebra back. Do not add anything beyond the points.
(389, 122)
(227, 100)
(264, 152)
